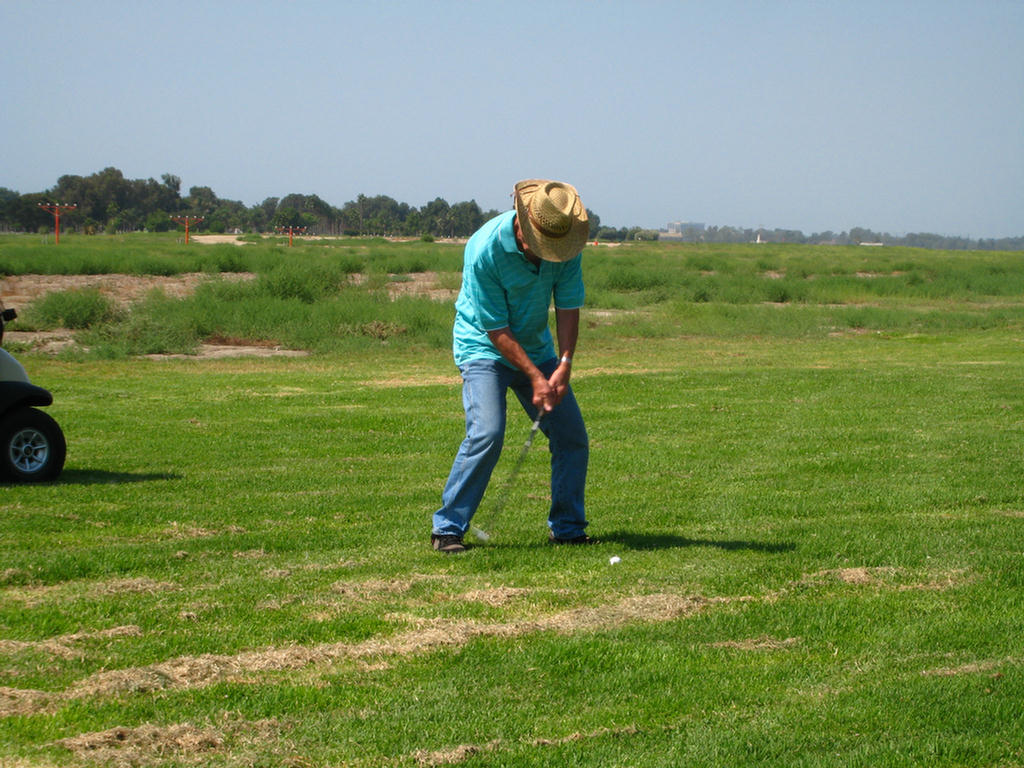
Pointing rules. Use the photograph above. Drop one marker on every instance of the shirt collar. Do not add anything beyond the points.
(507, 235)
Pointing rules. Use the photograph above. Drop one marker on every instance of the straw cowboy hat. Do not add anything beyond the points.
(552, 218)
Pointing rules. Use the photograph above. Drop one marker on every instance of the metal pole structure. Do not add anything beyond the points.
(55, 209)
(300, 230)
(185, 220)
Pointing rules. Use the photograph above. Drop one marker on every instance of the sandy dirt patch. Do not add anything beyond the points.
(217, 239)
(20, 290)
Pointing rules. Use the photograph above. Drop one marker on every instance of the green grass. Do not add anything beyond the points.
(166, 254)
(817, 507)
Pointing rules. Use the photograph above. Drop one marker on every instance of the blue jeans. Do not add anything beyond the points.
(484, 386)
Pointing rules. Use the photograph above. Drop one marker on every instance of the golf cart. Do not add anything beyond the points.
(32, 446)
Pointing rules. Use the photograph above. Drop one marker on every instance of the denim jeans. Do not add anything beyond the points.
(484, 387)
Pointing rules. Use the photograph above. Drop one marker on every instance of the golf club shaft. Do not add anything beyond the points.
(499, 504)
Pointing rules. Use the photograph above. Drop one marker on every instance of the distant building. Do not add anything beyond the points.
(682, 230)
(680, 227)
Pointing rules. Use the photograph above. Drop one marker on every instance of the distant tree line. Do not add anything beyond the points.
(856, 236)
(108, 202)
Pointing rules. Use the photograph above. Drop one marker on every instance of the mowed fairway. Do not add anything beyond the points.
(820, 531)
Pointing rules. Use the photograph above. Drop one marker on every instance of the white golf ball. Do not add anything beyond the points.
(614, 560)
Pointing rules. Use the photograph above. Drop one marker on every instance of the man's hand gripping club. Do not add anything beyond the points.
(547, 393)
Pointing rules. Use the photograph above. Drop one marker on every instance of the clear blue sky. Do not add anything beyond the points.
(899, 116)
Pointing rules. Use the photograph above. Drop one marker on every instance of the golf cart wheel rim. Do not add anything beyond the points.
(29, 450)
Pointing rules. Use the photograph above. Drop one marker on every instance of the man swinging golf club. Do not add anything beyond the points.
(514, 265)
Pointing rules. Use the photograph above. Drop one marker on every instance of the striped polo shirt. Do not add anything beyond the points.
(500, 288)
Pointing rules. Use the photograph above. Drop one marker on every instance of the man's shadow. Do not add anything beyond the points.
(640, 541)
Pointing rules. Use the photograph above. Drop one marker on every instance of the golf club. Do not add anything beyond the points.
(480, 531)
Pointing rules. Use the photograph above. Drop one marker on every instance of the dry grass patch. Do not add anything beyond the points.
(277, 573)
(463, 752)
(144, 744)
(762, 643)
(859, 575)
(641, 608)
(8, 575)
(454, 755)
(1004, 512)
(985, 666)
(494, 596)
(200, 671)
(941, 581)
(250, 554)
(34, 595)
(135, 586)
(178, 531)
(351, 593)
(884, 576)
(424, 636)
(184, 743)
(23, 701)
(64, 646)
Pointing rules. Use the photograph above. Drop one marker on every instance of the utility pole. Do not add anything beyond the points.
(55, 209)
(291, 230)
(186, 220)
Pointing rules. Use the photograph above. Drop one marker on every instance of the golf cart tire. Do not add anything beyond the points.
(32, 447)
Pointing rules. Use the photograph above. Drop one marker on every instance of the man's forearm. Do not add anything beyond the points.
(545, 397)
(567, 323)
(513, 351)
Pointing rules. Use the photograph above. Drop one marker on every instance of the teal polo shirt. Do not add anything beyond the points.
(500, 288)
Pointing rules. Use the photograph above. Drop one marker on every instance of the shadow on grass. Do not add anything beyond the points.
(671, 541)
(103, 477)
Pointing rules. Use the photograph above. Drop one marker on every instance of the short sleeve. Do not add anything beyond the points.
(488, 297)
(569, 292)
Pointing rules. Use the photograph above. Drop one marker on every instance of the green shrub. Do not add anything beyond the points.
(306, 282)
(155, 326)
(75, 309)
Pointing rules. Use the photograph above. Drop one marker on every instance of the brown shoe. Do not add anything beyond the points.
(449, 544)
